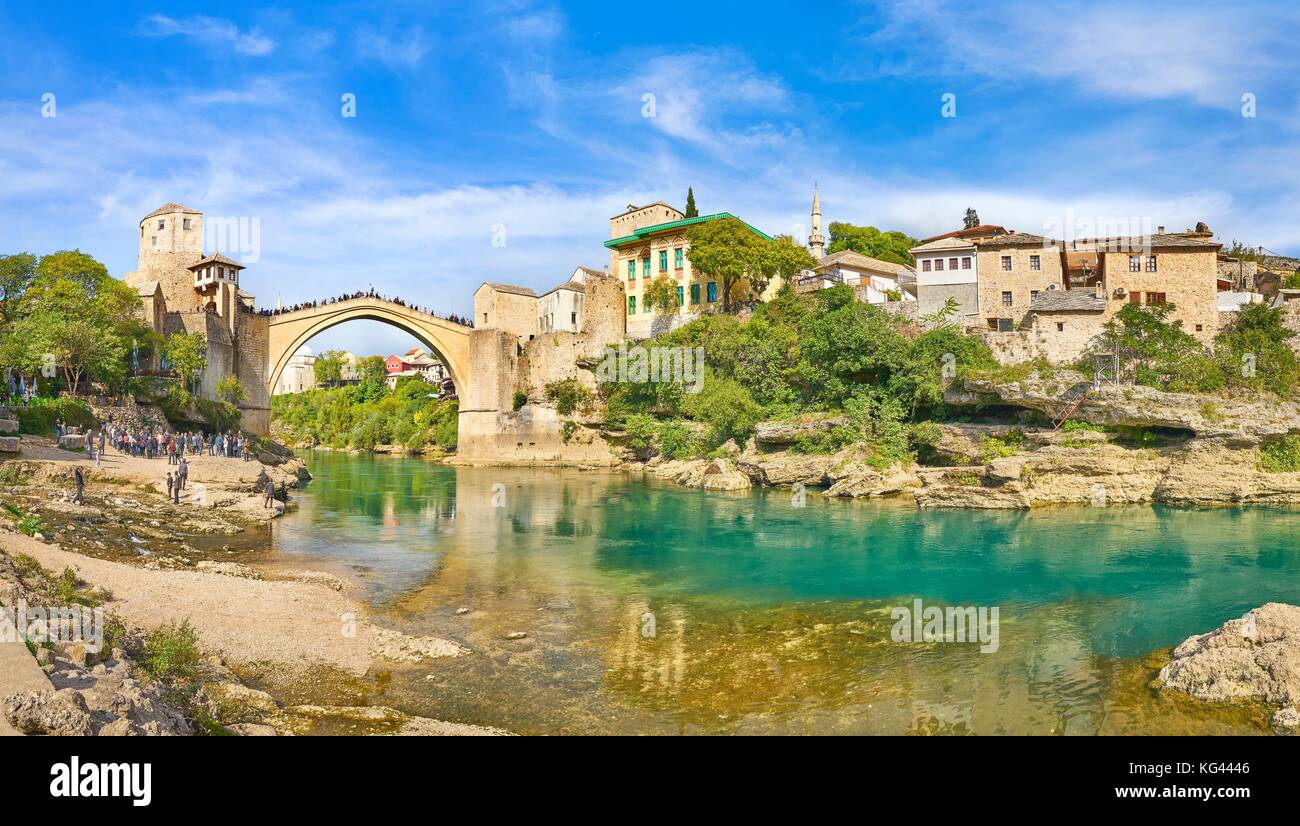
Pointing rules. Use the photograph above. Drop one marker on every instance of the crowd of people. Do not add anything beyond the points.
(370, 293)
(156, 443)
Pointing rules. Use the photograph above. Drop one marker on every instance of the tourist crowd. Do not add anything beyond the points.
(371, 293)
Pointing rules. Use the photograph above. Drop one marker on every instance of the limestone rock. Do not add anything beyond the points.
(1254, 657)
(72, 441)
(786, 433)
(722, 474)
(9, 444)
(8, 425)
(857, 479)
(59, 713)
(1241, 421)
(1286, 721)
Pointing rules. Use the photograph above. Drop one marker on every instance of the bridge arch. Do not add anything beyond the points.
(288, 332)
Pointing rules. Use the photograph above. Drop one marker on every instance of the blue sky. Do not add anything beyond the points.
(530, 116)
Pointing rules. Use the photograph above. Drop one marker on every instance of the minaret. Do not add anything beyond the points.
(816, 241)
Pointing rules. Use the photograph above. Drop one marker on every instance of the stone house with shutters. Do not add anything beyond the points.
(1014, 269)
(1165, 268)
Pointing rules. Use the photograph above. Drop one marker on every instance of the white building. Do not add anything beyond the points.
(876, 281)
(299, 374)
(560, 309)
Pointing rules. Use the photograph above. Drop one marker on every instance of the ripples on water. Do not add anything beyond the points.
(652, 608)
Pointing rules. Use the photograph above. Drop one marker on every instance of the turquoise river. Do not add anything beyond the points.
(650, 608)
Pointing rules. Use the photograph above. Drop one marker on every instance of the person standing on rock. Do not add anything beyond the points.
(99, 454)
(79, 478)
(171, 486)
(183, 475)
(268, 494)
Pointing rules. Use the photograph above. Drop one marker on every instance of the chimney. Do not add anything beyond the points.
(1160, 230)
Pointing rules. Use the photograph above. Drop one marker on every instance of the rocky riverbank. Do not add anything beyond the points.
(1120, 446)
(149, 563)
(1254, 658)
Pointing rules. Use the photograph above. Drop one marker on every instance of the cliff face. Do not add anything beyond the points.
(1240, 421)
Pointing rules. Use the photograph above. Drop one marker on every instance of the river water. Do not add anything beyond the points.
(650, 608)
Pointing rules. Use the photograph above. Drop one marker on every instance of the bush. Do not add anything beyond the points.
(171, 652)
(38, 417)
(1280, 455)
(520, 399)
(567, 395)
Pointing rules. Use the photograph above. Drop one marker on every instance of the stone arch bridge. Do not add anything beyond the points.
(288, 331)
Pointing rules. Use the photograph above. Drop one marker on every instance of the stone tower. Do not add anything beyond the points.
(171, 241)
(816, 241)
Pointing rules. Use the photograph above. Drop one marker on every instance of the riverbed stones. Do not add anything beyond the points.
(10, 444)
(1255, 657)
(8, 426)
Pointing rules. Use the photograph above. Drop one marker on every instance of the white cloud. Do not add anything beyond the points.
(395, 52)
(1208, 53)
(210, 31)
(541, 26)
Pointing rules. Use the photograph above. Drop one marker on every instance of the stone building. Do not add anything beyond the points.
(646, 242)
(299, 374)
(1059, 323)
(879, 281)
(183, 290)
(1014, 268)
(948, 268)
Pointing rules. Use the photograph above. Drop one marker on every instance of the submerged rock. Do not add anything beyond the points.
(1256, 657)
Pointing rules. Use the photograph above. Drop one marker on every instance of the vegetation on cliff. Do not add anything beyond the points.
(363, 416)
(812, 355)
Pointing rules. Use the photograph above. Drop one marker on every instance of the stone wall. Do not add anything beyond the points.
(1020, 280)
(252, 345)
(1044, 340)
(930, 298)
(499, 310)
(1188, 280)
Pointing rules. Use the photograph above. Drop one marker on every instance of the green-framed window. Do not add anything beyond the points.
(713, 291)
(631, 305)
(678, 261)
(663, 260)
(631, 269)
(695, 293)
(645, 266)
(681, 299)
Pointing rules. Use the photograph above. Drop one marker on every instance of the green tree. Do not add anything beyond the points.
(1158, 350)
(788, 258)
(691, 211)
(372, 375)
(329, 367)
(971, 219)
(187, 355)
(886, 246)
(728, 251)
(68, 308)
(230, 391)
(16, 272)
(661, 294)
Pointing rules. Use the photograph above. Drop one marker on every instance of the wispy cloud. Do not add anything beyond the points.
(404, 51)
(210, 31)
(1210, 53)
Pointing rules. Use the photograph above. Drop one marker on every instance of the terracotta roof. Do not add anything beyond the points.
(980, 231)
(168, 209)
(513, 289)
(1062, 301)
(217, 258)
(866, 262)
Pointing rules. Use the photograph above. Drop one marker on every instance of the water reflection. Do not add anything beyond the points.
(652, 608)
